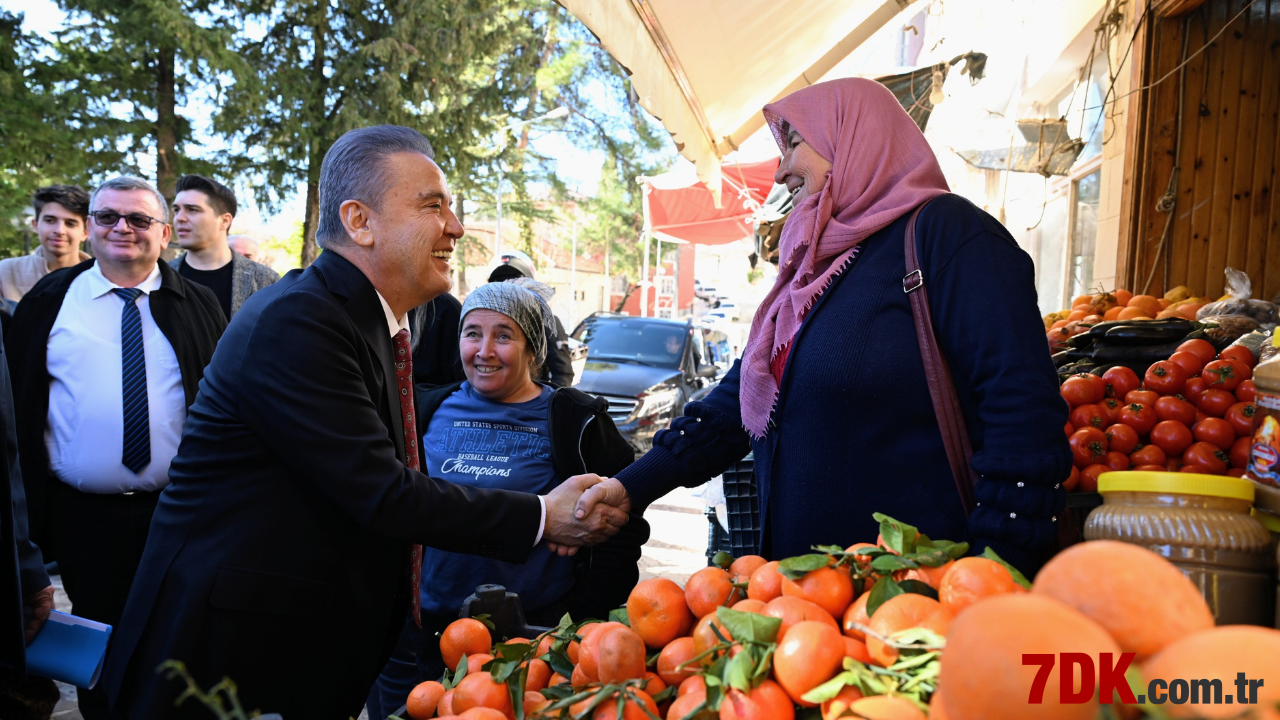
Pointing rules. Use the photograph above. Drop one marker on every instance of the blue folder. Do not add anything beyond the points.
(69, 649)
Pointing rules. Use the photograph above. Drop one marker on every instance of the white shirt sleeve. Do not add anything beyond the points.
(542, 524)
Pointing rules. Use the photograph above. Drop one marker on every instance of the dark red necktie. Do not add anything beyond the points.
(404, 385)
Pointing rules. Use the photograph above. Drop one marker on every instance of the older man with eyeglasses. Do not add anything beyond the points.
(106, 357)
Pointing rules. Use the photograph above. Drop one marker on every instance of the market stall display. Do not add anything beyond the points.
(905, 628)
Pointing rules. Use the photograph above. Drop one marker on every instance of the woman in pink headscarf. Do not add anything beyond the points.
(831, 394)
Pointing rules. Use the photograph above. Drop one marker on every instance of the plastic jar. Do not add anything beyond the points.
(1201, 523)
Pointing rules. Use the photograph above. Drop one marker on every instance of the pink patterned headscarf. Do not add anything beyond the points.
(881, 169)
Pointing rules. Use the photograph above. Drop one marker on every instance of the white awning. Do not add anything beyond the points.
(705, 68)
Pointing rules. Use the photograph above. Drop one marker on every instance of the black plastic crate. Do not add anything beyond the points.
(717, 538)
(743, 502)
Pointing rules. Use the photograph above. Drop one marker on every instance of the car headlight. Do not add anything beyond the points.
(655, 402)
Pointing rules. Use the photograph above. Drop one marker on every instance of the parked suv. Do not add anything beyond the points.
(646, 368)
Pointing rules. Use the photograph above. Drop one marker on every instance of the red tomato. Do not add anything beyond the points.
(1148, 455)
(1097, 383)
(1211, 458)
(1175, 408)
(1088, 446)
(1077, 391)
(1239, 452)
(1111, 408)
(1068, 429)
(1197, 469)
(1189, 362)
(1245, 391)
(1165, 377)
(1236, 472)
(1215, 402)
(1240, 353)
(1120, 381)
(1121, 437)
(1142, 397)
(1193, 387)
(1072, 480)
(1202, 349)
(1171, 436)
(1173, 463)
(1216, 432)
(1139, 417)
(1116, 460)
(1240, 416)
(1089, 416)
(1225, 374)
(1151, 468)
(1199, 416)
(1089, 477)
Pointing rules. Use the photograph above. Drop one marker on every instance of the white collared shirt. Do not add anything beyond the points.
(395, 325)
(85, 431)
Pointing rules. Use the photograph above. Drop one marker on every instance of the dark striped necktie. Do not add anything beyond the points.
(136, 453)
(404, 388)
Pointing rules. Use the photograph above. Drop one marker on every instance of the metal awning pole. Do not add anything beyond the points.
(645, 235)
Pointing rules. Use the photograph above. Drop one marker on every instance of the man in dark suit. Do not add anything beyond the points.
(281, 554)
(106, 357)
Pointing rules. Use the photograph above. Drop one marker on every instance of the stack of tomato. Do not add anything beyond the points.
(1190, 413)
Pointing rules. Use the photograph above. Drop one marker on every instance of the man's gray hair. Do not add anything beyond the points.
(127, 183)
(353, 170)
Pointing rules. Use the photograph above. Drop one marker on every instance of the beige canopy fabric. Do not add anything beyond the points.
(705, 68)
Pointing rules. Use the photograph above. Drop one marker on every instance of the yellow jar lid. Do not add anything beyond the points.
(1175, 482)
(1269, 521)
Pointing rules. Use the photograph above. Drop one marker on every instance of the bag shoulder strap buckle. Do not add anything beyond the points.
(913, 281)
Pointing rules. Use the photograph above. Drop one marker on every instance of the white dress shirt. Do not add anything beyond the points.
(85, 432)
(395, 325)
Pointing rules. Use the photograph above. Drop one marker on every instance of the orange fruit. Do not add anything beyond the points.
(708, 589)
(1077, 315)
(749, 605)
(1135, 313)
(1218, 654)
(484, 713)
(765, 583)
(619, 655)
(936, 709)
(658, 612)
(792, 610)
(930, 576)
(1145, 603)
(705, 638)
(901, 612)
(534, 702)
(675, 654)
(857, 650)
(537, 676)
(742, 568)
(810, 654)
(1112, 314)
(836, 706)
(445, 707)
(631, 709)
(972, 579)
(587, 656)
(1149, 305)
(579, 678)
(857, 613)
(477, 661)
(464, 637)
(829, 588)
(693, 683)
(481, 690)
(572, 650)
(423, 700)
(885, 707)
(1122, 296)
(544, 645)
(653, 684)
(768, 701)
(685, 704)
(982, 668)
(1081, 300)
(557, 679)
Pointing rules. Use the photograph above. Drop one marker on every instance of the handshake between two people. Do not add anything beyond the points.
(584, 510)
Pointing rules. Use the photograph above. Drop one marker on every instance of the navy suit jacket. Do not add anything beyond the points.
(278, 555)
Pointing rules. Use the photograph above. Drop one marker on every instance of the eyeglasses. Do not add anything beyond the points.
(137, 221)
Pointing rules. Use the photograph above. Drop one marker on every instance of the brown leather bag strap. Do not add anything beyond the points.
(946, 403)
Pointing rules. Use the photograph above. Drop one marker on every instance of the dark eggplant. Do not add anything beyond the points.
(1149, 333)
(1134, 353)
(1104, 328)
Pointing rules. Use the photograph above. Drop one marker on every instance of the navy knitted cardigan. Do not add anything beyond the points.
(854, 431)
